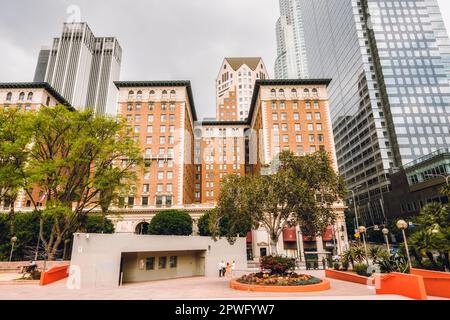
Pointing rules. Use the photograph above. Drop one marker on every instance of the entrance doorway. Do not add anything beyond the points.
(142, 228)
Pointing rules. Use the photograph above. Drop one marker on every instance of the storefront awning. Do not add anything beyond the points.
(290, 235)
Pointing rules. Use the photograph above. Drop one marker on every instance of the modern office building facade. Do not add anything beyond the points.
(291, 62)
(390, 93)
(83, 68)
(234, 87)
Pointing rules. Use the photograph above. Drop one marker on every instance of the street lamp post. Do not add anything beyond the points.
(362, 230)
(386, 233)
(403, 225)
(355, 208)
(13, 242)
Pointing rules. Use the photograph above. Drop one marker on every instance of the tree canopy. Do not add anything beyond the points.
(79, 161)
(171, 222)
(301, 192)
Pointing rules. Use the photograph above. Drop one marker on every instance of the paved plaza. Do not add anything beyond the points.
(187, 288)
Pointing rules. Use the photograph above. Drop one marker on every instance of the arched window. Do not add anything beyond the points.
(281, 92)
(22, 96)
(152, 94)
(173, 94)
(30, 96)
(131, 95)
(306, 90)
(164, 94)
(294, 93)
(9, 96)
(139, 95)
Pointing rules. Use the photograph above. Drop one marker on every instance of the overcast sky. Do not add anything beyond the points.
(161, 39)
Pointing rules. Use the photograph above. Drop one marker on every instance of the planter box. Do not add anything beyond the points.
(348, 276)
(54, 274)
(407, 285)
(323, 286)
(437, 284)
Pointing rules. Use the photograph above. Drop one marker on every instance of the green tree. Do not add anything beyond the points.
(27, 232)
(301, 192)
(15, 137)
(204, 226)
(171, 222)
(75, 157)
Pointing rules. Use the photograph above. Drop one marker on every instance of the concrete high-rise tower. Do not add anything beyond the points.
(83, 68)
(390, 94)
(291, 60)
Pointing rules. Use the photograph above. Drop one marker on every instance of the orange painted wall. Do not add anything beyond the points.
(54, 274)
(408, 285)
(437, 284)
(347, 276)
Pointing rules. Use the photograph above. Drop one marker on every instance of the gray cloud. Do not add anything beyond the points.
(161, 39)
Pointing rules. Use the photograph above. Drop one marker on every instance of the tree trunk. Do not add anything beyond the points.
(54, 248)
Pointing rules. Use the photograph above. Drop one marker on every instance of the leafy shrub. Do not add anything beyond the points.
(394, 263)
(345, 265)
(171, 222)
(361, 269)
(277, 265)
(336, 266)
(377, 254)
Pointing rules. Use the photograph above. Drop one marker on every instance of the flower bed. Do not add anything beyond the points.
(301, 287)
(278, 280)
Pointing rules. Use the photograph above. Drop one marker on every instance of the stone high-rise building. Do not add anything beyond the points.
(234, 87)
(83, 68)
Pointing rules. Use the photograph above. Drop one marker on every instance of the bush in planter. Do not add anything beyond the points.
(277, 265)
(361, 269)
(336, 266)
(394, 263)
(345, 265)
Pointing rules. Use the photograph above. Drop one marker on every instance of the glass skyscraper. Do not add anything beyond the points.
(291, 60)
(390, 93)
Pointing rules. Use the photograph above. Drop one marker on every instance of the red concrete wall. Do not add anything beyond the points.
(437, 284)
(408, 285)
(347, 276)
(54, 274)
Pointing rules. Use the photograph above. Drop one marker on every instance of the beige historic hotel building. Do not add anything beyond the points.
(186, 159)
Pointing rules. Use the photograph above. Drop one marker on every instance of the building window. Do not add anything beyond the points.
(173, 262)
(144, 201)
(162, 262)
(30, 96)
(9, 96)
(150, 263)
(139, 95)
(22, 96)
(130, 95)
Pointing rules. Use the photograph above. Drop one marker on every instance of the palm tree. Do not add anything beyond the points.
(424, 242)
(355, 254)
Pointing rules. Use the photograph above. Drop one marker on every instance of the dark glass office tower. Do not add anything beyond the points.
(390, 94)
